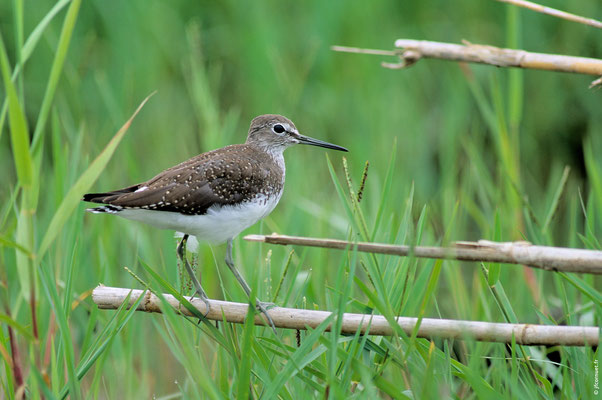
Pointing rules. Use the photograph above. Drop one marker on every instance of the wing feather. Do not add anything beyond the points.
(195, 185)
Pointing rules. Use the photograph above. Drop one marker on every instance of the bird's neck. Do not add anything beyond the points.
(273, 149)
(275, 152)
(278, 156)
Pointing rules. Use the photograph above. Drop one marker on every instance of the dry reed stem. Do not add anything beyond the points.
(544, 257)
(291, 318)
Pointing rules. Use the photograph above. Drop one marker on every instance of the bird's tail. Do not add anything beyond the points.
(109, 209)
(107, 197)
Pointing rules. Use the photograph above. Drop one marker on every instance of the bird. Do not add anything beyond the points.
(214, 195)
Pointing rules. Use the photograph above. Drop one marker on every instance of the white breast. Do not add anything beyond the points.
(216, 226)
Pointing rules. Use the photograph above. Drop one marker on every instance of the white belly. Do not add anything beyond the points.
(216, 226)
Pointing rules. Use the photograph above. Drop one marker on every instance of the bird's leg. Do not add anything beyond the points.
(181, 251)
(261, 306)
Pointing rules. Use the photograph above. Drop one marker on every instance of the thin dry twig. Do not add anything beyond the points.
(554, 12)
(544, 257)
(291, 318)
(596, 83)
(376, 52)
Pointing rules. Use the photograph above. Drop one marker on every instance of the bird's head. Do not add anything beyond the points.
(276, 133)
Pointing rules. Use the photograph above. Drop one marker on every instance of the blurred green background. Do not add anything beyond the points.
(472, 152)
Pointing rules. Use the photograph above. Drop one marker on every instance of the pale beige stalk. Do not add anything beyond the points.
(291, 318)
(543, 257)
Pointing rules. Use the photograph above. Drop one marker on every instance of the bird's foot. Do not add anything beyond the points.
(263, 307)
(201, 295)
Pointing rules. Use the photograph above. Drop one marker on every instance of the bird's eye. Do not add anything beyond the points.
(278, 128)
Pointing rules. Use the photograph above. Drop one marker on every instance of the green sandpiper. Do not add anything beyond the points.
(215, 195)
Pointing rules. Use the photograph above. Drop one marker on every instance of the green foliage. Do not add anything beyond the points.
(455, 153)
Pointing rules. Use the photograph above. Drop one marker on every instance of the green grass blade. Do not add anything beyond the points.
(55, 72)
(515, 75)
(594, 172)
(246, 355)
(9, 243)
(430, 289)
(299, 359)
(36, 33)
(42, 383)
(386, 189)
(494, 268)
(342, 196)
(482, 388)
(83, 184)
(116, 324)
(25, 172)
(18, 25)
(18, 126)
(583, 287)
(556, 199)
(115, 320)
(28, 47)
(71, 269)
(216, 334)
(55, 304)
(5, 319)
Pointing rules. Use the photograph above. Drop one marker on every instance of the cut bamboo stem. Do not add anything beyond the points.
(544, 257)
(291, 318)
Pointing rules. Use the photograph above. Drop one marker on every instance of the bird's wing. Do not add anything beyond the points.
(194, 185)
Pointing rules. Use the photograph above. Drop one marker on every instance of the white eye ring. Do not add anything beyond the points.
(279, 129)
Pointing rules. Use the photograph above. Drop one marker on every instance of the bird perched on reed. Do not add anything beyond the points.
(215, 195)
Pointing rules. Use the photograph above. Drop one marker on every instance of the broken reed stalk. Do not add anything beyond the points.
(478, 53)
(411, 51)
(291, 318)
(544, 257)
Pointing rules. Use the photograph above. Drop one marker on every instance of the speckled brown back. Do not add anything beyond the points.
(229, 175)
